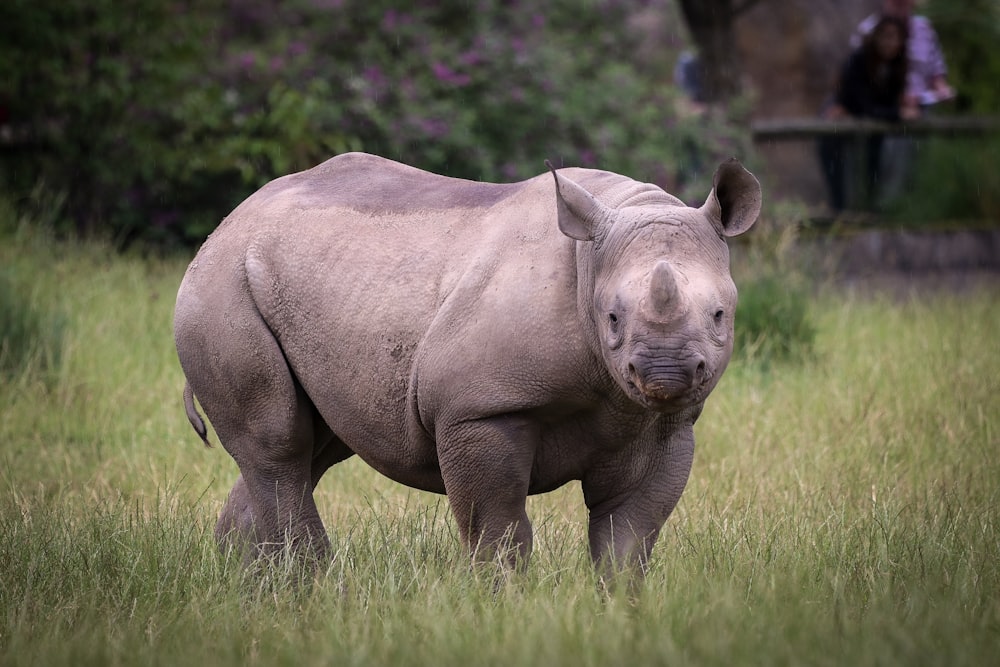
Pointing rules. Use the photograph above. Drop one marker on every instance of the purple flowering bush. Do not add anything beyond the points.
(156, 117)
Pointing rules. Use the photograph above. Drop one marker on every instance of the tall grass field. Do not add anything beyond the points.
(843, 508)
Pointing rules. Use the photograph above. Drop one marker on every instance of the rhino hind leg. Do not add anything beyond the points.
(234, 531)
(235, 528)
(266, 422)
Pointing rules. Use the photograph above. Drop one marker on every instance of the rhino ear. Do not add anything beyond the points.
(734, 202)
(580, 216)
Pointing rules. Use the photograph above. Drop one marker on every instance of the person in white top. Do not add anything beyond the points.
(927, 77)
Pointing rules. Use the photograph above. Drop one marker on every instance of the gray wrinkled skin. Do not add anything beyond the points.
(481, 340)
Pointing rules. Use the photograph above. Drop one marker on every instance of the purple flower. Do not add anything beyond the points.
(247, 60)
(470, 58)
(392, 19)
(434, 128)
(445, 74)
(376, 82)
(374, 76)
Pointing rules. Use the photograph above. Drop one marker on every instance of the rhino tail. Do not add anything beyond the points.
(192, 414)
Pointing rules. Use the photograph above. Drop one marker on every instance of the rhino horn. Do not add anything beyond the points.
(734, 202)
(663, 290)
(580, 214)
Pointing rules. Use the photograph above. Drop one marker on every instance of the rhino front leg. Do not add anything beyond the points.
(630, 502)
(486, 467)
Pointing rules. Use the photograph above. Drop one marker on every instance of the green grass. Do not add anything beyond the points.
(842, 510)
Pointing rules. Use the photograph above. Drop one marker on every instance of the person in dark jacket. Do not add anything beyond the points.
(872, 84)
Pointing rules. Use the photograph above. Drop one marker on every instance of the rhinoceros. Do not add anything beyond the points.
(484, 341)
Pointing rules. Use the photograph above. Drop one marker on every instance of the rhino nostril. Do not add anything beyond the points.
(699, 371)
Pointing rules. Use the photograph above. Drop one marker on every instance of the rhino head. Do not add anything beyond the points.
(658, 287)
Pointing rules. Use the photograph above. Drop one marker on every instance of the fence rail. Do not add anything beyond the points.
(812, 128)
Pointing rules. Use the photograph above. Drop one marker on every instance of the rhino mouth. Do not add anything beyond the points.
(665, 391)
(664, 403)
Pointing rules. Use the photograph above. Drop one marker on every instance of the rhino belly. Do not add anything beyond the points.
(370, 411)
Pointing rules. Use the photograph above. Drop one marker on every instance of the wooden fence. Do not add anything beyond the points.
(854, 134)
(813, 128)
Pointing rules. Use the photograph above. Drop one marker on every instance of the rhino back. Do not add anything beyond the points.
(376, 186)
(360, 239)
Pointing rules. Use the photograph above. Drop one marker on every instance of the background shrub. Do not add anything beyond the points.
(774, 322)
(30, 337)
(969, 32)
(31, 333)
(772, 318)
(953, 179)
(156, 118)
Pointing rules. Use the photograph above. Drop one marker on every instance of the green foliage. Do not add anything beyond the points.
(488, 90)
(953, 179)
(969, 32)
(29, 337)
(31, 332)
(774, 319)
(90, 88)
(155, 118)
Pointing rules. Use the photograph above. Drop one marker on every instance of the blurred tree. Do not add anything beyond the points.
(87, 84)
(711, 26)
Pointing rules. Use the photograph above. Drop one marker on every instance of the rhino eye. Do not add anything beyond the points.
(719, 314)
(614, 330)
